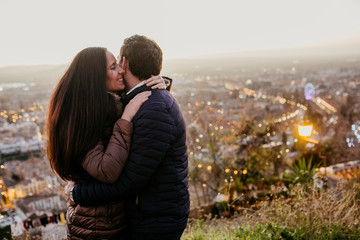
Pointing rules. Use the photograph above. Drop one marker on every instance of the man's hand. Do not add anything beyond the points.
(67, 189)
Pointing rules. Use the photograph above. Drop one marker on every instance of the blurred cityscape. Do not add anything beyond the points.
(243, 118)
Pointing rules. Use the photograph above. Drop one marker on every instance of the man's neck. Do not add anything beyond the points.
(131, 82)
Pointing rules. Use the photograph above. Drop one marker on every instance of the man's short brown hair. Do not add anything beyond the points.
(144, 56)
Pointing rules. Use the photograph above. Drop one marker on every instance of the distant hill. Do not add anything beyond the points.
(40, 74)
(335, 53)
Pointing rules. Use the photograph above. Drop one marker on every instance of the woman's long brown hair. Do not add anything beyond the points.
(77, 112)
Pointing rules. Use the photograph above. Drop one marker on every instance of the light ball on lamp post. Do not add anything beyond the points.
(305, 130)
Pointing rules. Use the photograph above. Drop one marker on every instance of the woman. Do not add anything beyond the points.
(89, 136)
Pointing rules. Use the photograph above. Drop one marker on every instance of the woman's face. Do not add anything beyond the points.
(114, 75)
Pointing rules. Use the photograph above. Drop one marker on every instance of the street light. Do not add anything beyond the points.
(305, 130)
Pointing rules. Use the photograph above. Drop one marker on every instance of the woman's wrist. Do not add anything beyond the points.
(71, 194)
(125, 117)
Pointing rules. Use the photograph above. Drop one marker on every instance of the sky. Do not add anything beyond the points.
(52, 32)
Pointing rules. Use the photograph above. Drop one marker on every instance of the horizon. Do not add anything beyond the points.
(293, 53)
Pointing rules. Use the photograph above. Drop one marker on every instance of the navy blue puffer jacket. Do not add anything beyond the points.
(154, 181)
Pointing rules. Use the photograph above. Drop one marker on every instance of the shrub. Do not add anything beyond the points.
(303, 171)
(307, 214)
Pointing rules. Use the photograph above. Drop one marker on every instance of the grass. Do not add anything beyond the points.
(221, 230)
(307, 214)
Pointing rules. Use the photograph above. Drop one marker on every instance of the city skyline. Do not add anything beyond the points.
(43, 32)
(243, 119)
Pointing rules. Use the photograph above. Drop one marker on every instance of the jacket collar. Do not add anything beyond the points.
(126, 99)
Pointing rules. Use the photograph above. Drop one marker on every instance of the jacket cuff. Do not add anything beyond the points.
(76, 193)
(168, 82)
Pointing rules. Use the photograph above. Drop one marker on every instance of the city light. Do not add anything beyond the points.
(356, 132)
(305, 130)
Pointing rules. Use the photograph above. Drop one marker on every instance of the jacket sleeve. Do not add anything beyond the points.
(153, 134)
(107, 164)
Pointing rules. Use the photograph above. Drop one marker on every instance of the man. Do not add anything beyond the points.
(154, 181)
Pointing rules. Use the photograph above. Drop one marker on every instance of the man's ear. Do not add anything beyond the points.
(124, 64)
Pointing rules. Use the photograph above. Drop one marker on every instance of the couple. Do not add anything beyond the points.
(121, 139)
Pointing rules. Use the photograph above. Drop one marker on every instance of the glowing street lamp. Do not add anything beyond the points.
(305, 130)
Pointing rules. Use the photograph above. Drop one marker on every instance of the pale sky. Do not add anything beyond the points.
(48, 32)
